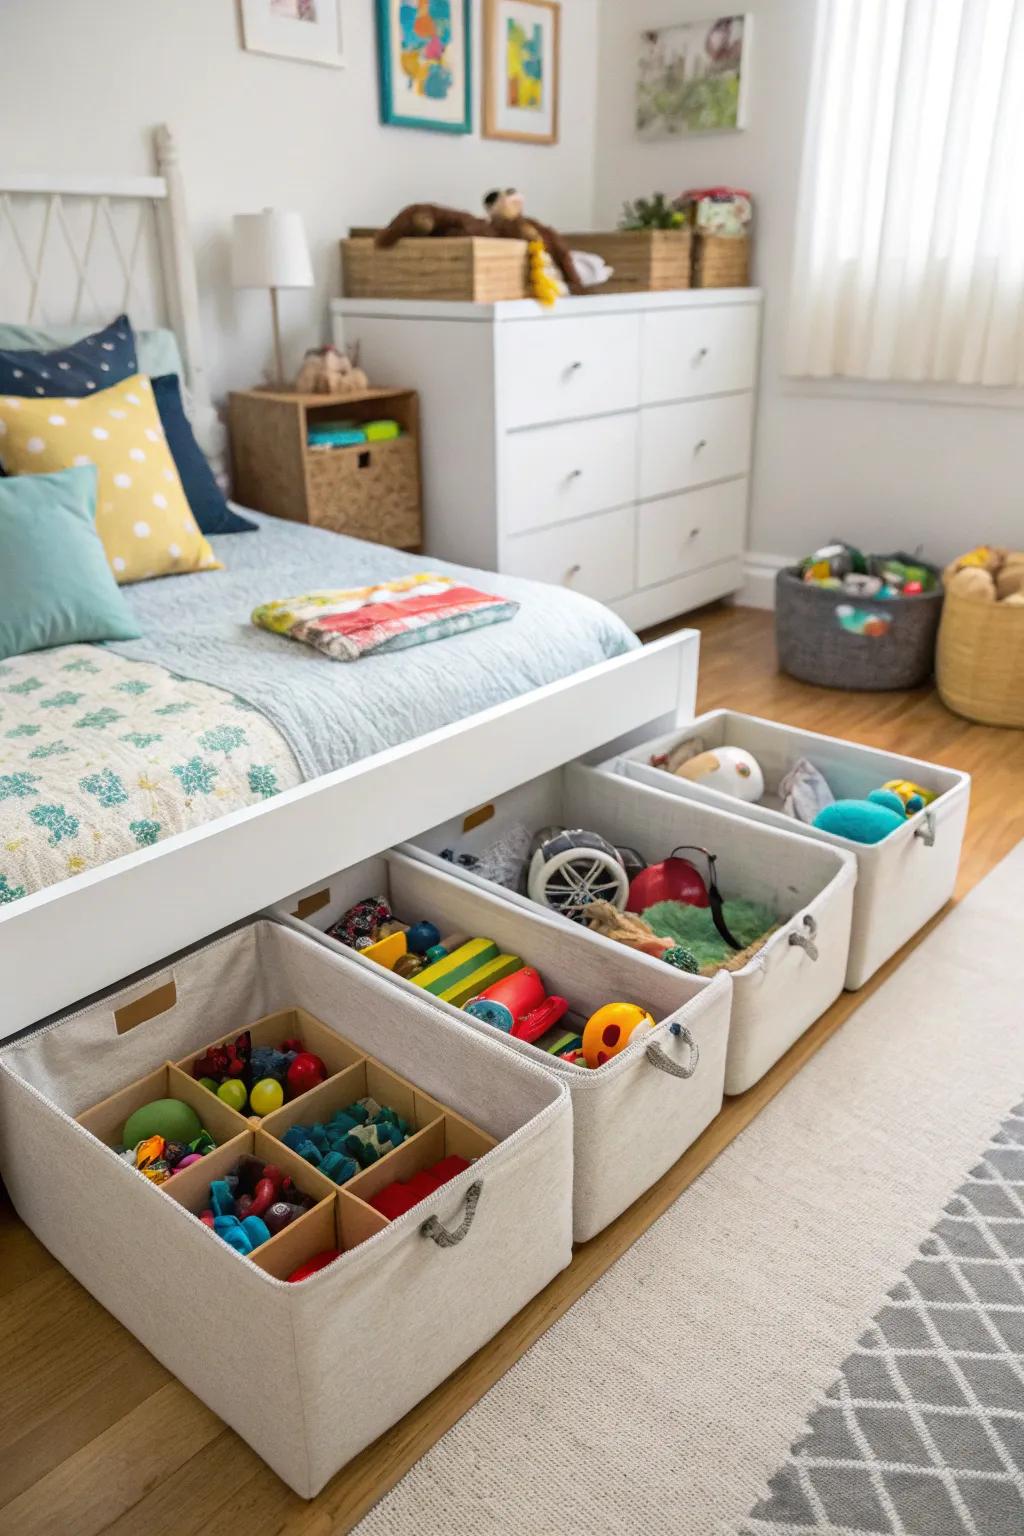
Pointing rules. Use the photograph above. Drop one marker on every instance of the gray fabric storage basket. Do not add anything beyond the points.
(343, 1356)
(814, 647)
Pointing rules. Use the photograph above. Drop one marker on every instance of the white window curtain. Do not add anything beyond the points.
(909, 260)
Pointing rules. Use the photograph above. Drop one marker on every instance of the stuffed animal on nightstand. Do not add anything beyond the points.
(327, 371)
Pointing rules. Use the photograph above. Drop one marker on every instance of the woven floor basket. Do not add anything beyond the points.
(815, 646)
(979, 663)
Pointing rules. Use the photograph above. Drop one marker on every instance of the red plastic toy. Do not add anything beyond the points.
(311, 1266)
(671, 880)
(519, 1005)
(306, 1071)
(397, 1198)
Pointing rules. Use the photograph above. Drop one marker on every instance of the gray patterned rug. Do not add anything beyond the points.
(922, 1433)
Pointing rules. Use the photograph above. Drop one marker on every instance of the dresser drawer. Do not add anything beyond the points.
(550, 474)
(694, 442)
(688, 352)
(679, 534)
(555, 370)
(594, 556)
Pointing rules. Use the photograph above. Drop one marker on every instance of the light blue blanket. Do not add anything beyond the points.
(333, 713)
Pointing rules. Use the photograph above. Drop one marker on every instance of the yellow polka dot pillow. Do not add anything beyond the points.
(142, 515)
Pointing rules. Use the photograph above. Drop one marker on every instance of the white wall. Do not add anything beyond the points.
(880, 472)
(82, 85)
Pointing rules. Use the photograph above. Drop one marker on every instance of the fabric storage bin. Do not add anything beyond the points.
(901, 882)
(817, 643)
(787, 984)
(343, 1355)
(633, 1117)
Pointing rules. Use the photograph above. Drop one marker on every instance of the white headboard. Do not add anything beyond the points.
(84, 248)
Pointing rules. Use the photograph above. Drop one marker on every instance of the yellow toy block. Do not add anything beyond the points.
(472, 986)
(460, 963)
(387, 950)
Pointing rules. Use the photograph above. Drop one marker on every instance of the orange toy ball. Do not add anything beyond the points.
(610, 1029)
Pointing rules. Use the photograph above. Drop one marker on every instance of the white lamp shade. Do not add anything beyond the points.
(269, 250)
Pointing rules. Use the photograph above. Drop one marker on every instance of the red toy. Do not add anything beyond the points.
(317, 1262)
(306, 1071)
(518, 1005)
(397, 1198)
(671, 880)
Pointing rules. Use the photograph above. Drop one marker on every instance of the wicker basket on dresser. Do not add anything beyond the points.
(368, 490)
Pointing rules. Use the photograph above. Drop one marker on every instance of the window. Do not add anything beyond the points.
(909, 251)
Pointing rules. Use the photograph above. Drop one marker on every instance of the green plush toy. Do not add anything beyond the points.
(693, 927)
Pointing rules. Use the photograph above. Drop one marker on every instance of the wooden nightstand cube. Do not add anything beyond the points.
(369, 490)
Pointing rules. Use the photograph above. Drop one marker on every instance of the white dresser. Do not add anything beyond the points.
(603, 445)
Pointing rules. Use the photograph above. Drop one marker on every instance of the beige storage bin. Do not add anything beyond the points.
(979, 660)
(643, 260)
(901, 882)
(633, 1117)
(782, 988)
(343, 1355)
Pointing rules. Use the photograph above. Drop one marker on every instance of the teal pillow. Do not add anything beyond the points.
(56, 586)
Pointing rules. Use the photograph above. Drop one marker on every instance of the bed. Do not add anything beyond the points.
(157, 790)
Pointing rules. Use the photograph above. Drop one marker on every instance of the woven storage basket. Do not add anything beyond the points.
(980, 660)
(644, 260)
(814, 646)
(721, 261)
(478, 270)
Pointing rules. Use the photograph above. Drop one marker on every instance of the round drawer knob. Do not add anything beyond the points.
(574, 474)
(574, 367)
(702, 353)
(693, 533)
(573, 570)
(700, 445)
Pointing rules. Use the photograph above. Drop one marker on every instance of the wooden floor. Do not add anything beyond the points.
(95, 1436)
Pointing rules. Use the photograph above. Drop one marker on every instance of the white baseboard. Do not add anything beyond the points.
(759, 573)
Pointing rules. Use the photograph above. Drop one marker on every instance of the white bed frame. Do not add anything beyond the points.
(87, 933)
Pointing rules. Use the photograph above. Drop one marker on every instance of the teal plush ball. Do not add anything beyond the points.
(172, 1119)
(862, 821)
(890, 799)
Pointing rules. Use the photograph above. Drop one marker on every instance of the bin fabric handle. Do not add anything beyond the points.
(664, 1063)
(443, 1236)
(926, 829)
(806, 940)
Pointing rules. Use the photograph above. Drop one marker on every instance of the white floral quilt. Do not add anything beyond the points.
(100, 755)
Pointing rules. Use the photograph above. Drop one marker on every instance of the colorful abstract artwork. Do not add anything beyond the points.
(691, 78)
(521, 43)
(423, 51)
(524, 66)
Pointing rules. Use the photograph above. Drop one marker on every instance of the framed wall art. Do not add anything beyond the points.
(425, 62)
(521, 70)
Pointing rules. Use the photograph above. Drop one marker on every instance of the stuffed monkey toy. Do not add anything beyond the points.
(424, 220)
(505, 211)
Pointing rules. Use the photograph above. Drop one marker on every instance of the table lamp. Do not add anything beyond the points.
(269, 250)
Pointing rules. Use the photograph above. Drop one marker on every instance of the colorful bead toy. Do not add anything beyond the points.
(252, 1204)
(258, 1077)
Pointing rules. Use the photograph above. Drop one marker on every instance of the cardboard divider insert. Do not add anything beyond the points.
(290, 1023)
(106, 1120)
(341, 1217)
(451, 1136)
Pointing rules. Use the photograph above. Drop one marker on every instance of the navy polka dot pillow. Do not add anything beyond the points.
(107, 357)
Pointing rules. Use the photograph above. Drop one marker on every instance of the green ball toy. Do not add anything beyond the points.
(172, 1119)
(209, 1083)
(233, 1093)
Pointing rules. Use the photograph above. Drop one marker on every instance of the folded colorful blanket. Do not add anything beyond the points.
(371, 621)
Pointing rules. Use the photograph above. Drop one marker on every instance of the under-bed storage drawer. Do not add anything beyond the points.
(901, 882)
(634, 1116)
(344, 1354)
(786, 984)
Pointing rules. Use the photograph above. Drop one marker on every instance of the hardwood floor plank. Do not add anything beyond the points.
(113, 1471)
(157, 1466)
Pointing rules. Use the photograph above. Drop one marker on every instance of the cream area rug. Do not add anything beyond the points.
(677, 1396)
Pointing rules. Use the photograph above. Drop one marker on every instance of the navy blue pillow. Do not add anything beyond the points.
(202, 492)
(94, 363)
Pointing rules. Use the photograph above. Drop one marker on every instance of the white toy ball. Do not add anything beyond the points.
(731, 770)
